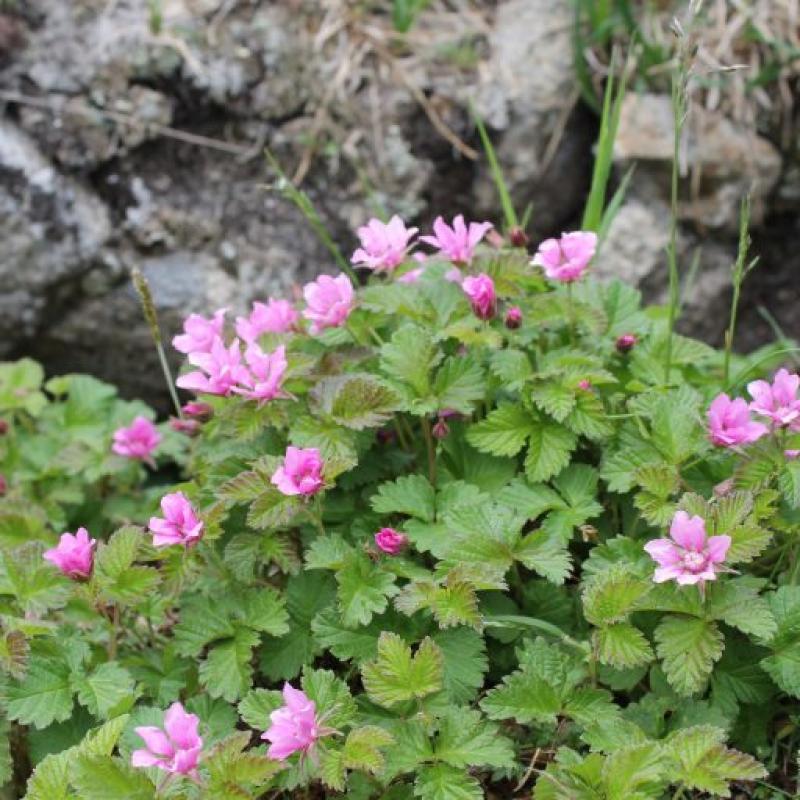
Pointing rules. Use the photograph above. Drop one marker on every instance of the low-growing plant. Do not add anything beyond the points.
(421, 551)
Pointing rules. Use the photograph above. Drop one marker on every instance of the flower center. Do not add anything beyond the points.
(694, 562)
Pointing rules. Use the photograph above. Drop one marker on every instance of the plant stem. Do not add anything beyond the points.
(431, 448)
(571, 315)
(739, 273)
(112, 643)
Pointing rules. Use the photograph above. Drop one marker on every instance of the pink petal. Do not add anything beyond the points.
(688, 532)
(717, 548)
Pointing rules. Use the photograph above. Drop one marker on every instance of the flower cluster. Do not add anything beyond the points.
(730, 423)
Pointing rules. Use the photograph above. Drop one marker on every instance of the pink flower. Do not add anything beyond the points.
(220, 370)
(329, 301)
(294, 725)
(584, 385)
(74, 555)
(480, 291)
(137, 441)
(459, 242)
(276, 316)
(688, 557)
(301, 472)
(729, 422)
(566, 259)
(791, 455)
(383, 244)
(175, 749)
(778, 401)
(199, 333)
(390, 541)
(267, 371)
(180, 525)
(3, 484)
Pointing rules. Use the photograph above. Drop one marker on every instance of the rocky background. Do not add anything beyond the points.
(133, 135)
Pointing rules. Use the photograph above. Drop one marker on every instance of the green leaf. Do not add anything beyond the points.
(688, 648)
(783, 665)
(355, 400)
(503, 432)
(622, 646)
(362, 748)
(549, 449)
(513, 367)
(407, 359)
(412, 495)
(256, 706)
(465, 662)
(465, 739)
(331, 695)
(363, 589)
(525, 697)
(443, 782)
(738, 604)
(396, 676)
(43, 696)
(358, 644)
(99, 778)
(459, 384)
(263, 610)
(547, 555)
(610, 596)
(700, 760)
(202, 621)
(226, 671)
(104, 689)
(789, 483)
(452, 602)
(636, 771)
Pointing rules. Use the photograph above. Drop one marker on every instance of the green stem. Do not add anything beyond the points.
(571, 314)
(739, 274)
(162, 357)
(431, 448)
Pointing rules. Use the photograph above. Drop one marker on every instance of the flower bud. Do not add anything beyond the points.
(3, 427)
(198, 410)
(390, 541)
(585, 386)
(626, 342)
(441, 430)
(513, 318)
(190, 427)
(518, 237)
(3, 485)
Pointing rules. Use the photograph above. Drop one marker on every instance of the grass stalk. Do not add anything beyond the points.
(149, 311)
(740, 271)
(303, 203)
(511, 218)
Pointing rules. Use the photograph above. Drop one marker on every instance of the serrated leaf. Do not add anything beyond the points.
(363, 589)
(701, 761)
(783, 665)
(525, 697)
(358, 644)
(610, 596)
(738, 604)
(331, 695)
(43, 696)
(408, 359)
(104, 689)
(362, 748)
(622, 646)
(503, 432)
(226, 671)
(452, 602)
(688, 648)
(412, 495)
(465, 662)
(396, 676)
(256, 706)
(99, 778)
(459, 384)
(465, 739)
(549, 449)
(443, 782)
(547, 555)
(354, 400)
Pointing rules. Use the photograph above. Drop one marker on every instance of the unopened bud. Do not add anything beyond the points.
(191, 427)
(3, 485)
(585, 386)
(626, 342)
(197, 410)
(441, 430)
(3, 427)
(513, 318)
(518, 237)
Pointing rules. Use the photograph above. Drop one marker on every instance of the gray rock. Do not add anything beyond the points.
(52, 229)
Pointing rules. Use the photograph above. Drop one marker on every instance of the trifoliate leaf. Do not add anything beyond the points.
(688, 648)
(700, 760)
(396, 676)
